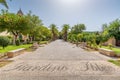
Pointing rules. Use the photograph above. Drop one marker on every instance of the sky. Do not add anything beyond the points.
(92, 13)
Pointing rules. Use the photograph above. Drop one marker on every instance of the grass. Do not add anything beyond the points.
(116, 50)
(43, 42)
(116, 62)
(13, 47)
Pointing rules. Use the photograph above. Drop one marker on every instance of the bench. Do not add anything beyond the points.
(14, 53)
(107, 52)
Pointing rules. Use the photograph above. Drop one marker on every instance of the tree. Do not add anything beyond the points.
(34, 23)
(54, 31)
(65, 31)
(3, 2)
(105, 36)
(114, 29)
(78, 28)
(111, 30)
(43, 33)
(14, 24)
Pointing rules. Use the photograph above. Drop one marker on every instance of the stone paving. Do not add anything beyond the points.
(60, 60)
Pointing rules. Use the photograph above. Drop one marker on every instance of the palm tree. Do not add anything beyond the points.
(54, 31)
(65, 31)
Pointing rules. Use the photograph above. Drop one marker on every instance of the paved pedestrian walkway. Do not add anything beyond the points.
(60, 60)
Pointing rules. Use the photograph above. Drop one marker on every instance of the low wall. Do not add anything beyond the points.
(107, 52)
(14, 53)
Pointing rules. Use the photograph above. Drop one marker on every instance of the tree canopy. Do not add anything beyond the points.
(113, 29)
(76, 29)
(3, 2)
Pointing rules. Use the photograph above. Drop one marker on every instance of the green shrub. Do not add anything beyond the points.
(4, 41)
(10, 40)
(17, 42)
(89, 43)
(10, 37)
(95, 46)
(42, 42)
(110, 46)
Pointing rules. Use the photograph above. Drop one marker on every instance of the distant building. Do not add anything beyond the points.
(20, 12)
(4, 33)
(113, 41)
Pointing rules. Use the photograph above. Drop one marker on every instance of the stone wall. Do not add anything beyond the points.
(111, 41)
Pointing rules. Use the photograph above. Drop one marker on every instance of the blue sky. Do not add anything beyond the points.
(93, 13)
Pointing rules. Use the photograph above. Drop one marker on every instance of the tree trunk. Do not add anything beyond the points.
(14, 39)
(65, 36)
(15, 36)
